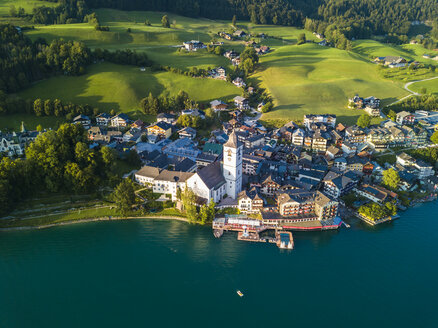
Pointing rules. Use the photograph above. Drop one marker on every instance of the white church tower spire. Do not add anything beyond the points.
(232, 165)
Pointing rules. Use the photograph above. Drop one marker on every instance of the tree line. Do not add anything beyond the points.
(352, 18)
(57, 161)
(411, 104)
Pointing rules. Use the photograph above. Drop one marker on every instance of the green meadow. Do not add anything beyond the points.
(28, 5)
(301, 79)
(314, 79)
(12, 122)
(120, 87)
(431, 86)
(373, 48)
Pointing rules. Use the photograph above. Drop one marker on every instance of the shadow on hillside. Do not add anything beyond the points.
(291, 62)
(387, 101)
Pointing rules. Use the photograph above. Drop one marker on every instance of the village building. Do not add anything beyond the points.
(218, 105)
(404, 117)
(160, 129)
(103, 119)
(241, 102)
(193, 45)
(146, 175)
(238, 82)
(120, 121)
(250, 201)
(329, 120)
(391, 61)
(84, 120)
(187, 132)
(166, 117)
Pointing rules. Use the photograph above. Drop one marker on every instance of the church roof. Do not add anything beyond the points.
(212, 175)
(233, 141)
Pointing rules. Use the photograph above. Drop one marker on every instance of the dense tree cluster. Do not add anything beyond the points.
(364, 121)
(195, 214)
(124, 196)
(411, 104)
(23, 61)
(123, 57)
(429, 154)
(391, 179)
(57, 161)
(376, 211)
(67, 12)
(153, 105)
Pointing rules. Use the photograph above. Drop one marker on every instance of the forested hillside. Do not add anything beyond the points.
(367, 16)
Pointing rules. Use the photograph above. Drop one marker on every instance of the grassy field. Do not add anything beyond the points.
(301, 79)
(28, 5)
(314, 79)
(144, 37)
(13, 122)
(372, 49)
(109, 86)
(431, 86)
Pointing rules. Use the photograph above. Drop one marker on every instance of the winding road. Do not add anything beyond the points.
(413, 93)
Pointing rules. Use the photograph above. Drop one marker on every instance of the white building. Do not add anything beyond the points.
(146, 175)
(168, 182)
(209, 183)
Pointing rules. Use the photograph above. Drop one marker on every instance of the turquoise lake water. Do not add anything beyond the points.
(170, 274)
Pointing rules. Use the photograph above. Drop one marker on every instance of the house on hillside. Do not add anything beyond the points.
(238, 82)
(187, 132)
(218, 105)
(161, 129)
(120, 120)
(241, 102)
(239, 34)
(84, 120)
(103, 119)
(193, 45)
(391, 61)
(166, 117)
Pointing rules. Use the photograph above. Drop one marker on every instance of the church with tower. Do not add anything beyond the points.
(221, 179)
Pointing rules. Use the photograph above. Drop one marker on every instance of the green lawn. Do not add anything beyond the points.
(109, 86)
(13, 122)
(372, 49)
(302, 79)
(314, 79)
(431, 86)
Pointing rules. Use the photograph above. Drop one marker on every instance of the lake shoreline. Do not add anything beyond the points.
(51, 225)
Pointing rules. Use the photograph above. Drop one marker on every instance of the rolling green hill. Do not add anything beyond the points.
(314, 79)
(109, 86)
(301, 79)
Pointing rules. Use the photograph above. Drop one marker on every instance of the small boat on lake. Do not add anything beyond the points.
(239, 293)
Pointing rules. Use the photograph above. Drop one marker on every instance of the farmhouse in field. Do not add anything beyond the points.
(391, 61)
(193, 45)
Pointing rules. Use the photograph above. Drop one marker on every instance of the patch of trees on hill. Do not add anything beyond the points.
(23, 61)
(57, 161)
(67, 12)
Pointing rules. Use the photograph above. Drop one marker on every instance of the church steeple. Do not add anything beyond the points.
(23, 129)
(232, 165)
